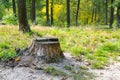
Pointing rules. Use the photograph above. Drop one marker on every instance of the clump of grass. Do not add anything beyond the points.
(4, 45)
(68, 67)
(53, 71)
(82, 75)
(83, 67)
(7, 54)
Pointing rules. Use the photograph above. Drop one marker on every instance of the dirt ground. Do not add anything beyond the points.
(25, 73)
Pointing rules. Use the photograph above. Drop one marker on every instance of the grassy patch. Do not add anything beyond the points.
(53, 71)
(82, 75)
(97, 45)
(68, 67)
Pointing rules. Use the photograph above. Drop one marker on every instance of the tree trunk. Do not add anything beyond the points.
(111, 14)
(78, 7)
(14, 8)
(98, 11)
(106, 12)
(118, 16)
(47, 13)
(33, 11)
(68, 13)
(93, 12)
(52, 22)
(22, 15)
(46, 49)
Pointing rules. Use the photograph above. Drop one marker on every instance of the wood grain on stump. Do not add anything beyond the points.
(46, 49)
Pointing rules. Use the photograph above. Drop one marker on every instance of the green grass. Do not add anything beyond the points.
(98, 45)
(68, 67)
(53, 71)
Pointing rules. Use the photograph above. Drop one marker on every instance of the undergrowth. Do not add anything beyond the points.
(97, 45)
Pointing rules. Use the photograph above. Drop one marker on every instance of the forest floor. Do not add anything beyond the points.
(74, 70)
(98, 48)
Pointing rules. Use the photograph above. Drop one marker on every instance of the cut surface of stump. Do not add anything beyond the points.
(46, 49)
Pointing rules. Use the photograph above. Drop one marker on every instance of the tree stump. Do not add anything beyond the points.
(46, 49)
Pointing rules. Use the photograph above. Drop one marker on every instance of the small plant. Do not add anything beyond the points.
(4, 45)
(83, 75)
(83, 67)
(6, 54)
(51, 70)
(68, 67)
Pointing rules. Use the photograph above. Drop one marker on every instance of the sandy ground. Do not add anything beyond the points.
(109, 73)
(25, 73)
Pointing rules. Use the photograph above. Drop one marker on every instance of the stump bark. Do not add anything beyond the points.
(46, 49)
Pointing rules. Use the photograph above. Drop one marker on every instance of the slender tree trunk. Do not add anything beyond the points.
(14, 8)
(98, 11)
(77, 13)
(106, 12)
(111, 15)
(95, 15)
(22, 15)
(47, 13)
(33, 11)
(92, 15)
(52, 20)
(118, 16)
(68, 13)
(93, 10)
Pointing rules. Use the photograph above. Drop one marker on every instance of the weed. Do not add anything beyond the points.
(68, 67)
(53, 71)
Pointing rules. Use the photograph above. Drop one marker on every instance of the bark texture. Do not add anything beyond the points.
(33, 11)
(22, 15)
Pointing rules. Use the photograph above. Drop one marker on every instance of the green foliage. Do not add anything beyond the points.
(109, 47)
(6, 54)
(9, 19)
(4, 45)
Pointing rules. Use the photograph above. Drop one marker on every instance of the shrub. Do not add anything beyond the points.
(9, 19)
(6, 54)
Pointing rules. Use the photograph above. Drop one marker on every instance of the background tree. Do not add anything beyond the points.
(22, 16)
(52, 22)
(118, 15)
(33, 11)
(63, 12)
(77, 12)
(111, 14)
(106, 12)
(68, 13)
(47, 13)
(14, 7)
